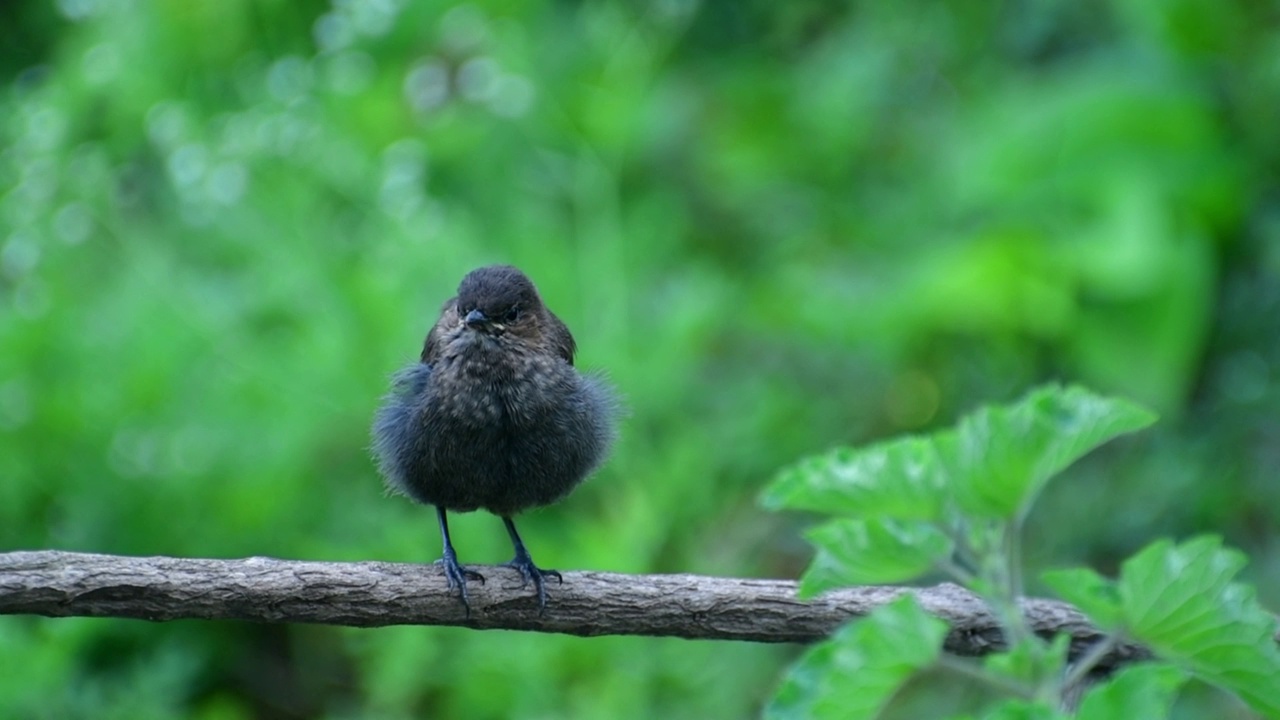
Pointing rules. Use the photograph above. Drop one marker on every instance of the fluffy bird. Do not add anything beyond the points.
(494, 416)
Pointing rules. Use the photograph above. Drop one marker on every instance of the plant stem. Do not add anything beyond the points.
(1089, 661)
(1015, 621)
(957, 572)
(1013, 556)
(973, 670)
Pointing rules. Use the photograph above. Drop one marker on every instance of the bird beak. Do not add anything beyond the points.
(475, 319)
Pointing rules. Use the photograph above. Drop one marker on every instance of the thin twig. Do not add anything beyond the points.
(968, 668)
(1089, 661)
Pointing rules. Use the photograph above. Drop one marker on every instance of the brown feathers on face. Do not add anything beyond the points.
(503, 303)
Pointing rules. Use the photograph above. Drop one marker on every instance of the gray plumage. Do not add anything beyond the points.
(458, 437)
(494, 416)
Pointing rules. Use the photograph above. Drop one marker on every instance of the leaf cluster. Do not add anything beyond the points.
(954, 502)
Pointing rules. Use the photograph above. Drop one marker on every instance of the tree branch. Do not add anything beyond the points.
(371, 594)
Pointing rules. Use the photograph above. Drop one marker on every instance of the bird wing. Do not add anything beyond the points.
(561, 338)
(448, 318)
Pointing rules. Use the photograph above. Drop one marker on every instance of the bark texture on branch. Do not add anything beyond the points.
(371, 594)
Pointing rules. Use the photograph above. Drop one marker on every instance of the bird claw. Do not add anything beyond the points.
(457, 577)
(532, 573)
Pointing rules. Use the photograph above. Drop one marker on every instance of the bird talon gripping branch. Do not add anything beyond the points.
(532, 573)
(493, 416)
(457, 576)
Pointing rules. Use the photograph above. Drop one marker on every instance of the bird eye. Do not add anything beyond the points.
(512, 315)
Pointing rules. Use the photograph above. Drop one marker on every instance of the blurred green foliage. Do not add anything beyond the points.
(778, 226)
(952, 502)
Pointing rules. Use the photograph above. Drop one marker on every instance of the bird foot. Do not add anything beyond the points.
(532, 573)
(457, 577)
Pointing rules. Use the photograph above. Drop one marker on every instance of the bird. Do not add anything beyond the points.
(494, 416)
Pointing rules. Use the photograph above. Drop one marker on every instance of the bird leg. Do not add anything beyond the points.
(455, 574)
(529, 571)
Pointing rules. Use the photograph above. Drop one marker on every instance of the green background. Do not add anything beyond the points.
(778, 227)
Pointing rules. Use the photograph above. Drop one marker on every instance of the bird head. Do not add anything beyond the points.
(498, 299)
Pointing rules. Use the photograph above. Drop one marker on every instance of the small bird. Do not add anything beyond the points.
(494, 416)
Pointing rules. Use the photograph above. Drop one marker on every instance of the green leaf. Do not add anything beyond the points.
(1137, 691)
(857, 552)
(1030, 663)
(1000, 458)
(1180, 601)
(900, 478)
(1019, 710)
(1093, 594)
(854, 674)
(1024, 710)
